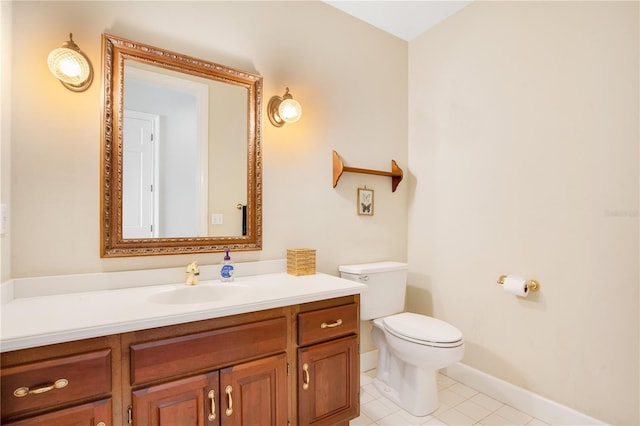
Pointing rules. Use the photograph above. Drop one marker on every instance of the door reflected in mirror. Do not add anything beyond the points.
(181, 153)
(184, 155)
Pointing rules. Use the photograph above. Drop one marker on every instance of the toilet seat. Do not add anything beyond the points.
(423, 330)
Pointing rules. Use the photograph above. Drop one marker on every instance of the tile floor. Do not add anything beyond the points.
(459, 405)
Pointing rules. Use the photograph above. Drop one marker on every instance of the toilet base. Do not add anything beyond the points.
(416, 394)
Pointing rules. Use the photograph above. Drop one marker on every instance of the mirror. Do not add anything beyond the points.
(181, 154)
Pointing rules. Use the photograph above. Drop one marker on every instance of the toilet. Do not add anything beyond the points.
(411, 347)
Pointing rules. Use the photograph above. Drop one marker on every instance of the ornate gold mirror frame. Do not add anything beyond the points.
(115, 51)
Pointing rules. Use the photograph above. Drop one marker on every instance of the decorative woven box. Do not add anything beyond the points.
(301, 262)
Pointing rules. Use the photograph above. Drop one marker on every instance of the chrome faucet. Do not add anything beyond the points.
(192, 273)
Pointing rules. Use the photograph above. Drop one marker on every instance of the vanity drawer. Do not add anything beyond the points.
(56, 381)
(160, 359)
(328, 323)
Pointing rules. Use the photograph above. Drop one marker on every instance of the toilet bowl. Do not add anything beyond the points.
(407, 366)
(411, 347)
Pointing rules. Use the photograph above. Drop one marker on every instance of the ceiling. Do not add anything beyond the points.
(403, 19)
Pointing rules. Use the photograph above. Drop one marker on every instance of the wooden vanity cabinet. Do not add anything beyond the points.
(295, 365)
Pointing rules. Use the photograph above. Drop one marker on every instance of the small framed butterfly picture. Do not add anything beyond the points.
(365, 201)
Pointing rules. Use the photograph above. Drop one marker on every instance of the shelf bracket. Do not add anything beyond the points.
(339, 168)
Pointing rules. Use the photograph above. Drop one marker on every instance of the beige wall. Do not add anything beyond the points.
(523, 136)
(350, 78)
(523, 152)
(5, 130)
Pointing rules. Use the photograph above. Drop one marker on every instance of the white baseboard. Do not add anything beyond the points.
(368, 360)
(521, 399)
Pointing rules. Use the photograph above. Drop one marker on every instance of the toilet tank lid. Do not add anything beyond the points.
(370, 268)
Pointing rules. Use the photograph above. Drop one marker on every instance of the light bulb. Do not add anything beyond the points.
(290, 110)
(69, 67)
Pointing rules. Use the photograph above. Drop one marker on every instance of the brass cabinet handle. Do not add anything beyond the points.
(24, 390)
(228, 391)
(333, 324)
(306, 380)
(212, 399)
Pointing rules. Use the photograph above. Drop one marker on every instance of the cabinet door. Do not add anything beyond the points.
(328, 382)
(255, 393)
(93, 413)
(184, 402)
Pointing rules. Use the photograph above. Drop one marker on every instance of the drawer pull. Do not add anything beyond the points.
(306, 380)
(212, 399)
(333, 324)
(24, 391)
(229, 410)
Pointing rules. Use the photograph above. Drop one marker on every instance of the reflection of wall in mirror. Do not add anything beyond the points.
(227, 157)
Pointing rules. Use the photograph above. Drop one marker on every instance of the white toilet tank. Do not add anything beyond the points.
(386, 282)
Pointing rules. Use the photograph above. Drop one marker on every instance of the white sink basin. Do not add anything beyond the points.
(198, 294)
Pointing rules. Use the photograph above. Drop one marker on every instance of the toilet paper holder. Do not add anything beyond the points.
(532, 285)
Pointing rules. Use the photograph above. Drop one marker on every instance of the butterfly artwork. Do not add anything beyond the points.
(365, 201)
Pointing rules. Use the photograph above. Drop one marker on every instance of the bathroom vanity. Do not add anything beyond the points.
(284, 353)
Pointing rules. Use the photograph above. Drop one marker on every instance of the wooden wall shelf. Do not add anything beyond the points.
(339, 168)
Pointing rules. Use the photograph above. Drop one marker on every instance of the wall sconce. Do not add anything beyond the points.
(72, 67)
(283, 109)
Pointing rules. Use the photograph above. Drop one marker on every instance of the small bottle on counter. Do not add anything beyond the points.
(226, 272)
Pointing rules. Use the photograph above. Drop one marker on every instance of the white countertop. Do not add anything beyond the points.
(35, 321)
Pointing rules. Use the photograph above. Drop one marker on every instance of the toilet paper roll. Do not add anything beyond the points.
(516, 285)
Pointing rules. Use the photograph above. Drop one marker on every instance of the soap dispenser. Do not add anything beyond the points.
(226, 272)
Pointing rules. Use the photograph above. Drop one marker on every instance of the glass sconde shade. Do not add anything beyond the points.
(69, 65)
(290, 110)
(283, 109)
